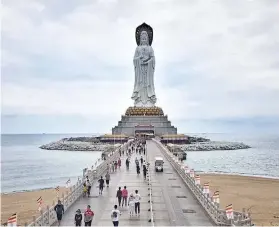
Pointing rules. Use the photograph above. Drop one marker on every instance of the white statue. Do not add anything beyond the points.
(144, 62)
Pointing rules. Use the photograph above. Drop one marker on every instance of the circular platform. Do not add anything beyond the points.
(144, 111)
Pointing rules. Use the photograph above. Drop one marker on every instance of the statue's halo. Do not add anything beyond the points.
(148, 29)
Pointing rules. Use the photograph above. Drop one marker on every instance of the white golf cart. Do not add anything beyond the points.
(159, 161)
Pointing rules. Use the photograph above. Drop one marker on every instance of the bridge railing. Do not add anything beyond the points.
(48, 216)
(212, 208)
(151, 220)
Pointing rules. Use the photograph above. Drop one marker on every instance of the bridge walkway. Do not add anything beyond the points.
(169, 195)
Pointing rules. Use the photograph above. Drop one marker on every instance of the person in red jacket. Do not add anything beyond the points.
(119, 163)
(88, 216)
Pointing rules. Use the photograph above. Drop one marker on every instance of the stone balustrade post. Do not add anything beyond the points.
(67, 196)
(48, 215)
(217, 205)
(243, 216)
(42, 217)
(34, 220)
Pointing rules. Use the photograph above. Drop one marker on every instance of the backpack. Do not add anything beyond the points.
(114, 214)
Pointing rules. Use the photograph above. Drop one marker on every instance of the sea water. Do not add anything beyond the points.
(27, 167)
(262, 159)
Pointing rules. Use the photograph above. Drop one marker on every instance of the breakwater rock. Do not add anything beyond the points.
(71, 145)
(210, 146)
(192, 139)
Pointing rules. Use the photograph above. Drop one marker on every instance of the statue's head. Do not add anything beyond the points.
(144, 38)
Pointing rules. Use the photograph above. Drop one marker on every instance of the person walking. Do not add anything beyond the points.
(84, 189)
(88, 185)
(59, 209)
(137, 203)
(137, 161)
(144, 170)
(124, 196)
(101, 185)
(112, 166)
(88, 216)
(141, 160)
(119, 196)
(115, 165)
(127, 163)
(107, 176)
(138, 169)
(131, 203)
(119, 163)
(115, 214)
(78, 218)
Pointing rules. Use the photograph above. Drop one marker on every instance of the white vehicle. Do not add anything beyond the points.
(159, 161)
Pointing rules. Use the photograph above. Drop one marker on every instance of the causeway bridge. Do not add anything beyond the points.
(170, 198)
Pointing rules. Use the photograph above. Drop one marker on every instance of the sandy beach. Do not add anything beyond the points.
(25, 204)
(259, 194)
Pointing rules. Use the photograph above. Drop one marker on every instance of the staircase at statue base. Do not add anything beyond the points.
(157, 125)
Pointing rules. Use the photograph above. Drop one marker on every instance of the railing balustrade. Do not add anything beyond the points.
(217, 215)
(48, 216)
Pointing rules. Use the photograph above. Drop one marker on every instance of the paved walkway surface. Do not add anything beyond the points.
(170, 196)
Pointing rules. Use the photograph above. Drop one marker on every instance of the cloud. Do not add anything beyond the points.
(213, 59)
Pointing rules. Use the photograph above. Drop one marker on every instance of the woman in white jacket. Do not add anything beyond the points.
(131, 203)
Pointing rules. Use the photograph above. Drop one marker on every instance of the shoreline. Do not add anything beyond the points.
(199, 172)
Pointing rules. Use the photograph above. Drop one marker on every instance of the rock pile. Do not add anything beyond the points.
(76, 146)
(213, 145)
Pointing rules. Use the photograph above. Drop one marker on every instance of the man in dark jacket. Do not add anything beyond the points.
(119, 195)
(59, 209)
(101, 185)
(144, 171)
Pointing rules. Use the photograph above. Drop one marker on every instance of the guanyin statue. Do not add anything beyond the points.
(144, 63)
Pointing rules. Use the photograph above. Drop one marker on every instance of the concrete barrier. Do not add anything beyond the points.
(48, 217)
(217, 215)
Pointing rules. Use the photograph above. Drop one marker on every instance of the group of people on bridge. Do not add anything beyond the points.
(124, 199)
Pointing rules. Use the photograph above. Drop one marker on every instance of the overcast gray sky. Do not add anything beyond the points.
(67, 65)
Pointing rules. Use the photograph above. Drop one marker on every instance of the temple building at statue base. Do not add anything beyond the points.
(149, 120)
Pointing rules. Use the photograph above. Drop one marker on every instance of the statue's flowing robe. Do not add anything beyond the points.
(144, 91)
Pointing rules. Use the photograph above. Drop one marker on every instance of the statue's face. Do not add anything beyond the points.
(144, 38)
